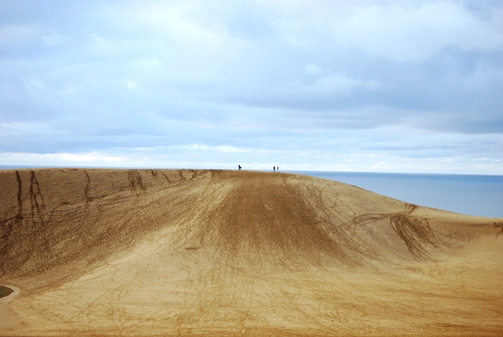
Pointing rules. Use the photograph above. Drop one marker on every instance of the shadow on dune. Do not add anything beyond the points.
(5, 291)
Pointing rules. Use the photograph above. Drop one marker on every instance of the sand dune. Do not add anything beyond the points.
(236, 253)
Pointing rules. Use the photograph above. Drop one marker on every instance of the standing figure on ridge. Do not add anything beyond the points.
(274, 168)
(239, 167)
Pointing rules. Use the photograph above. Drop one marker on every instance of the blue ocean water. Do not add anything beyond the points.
(466, 194)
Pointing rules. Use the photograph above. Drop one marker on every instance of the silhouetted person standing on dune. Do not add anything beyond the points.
(274, 168)
(239, 167)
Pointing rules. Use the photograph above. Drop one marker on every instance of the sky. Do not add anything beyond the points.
(367, 86)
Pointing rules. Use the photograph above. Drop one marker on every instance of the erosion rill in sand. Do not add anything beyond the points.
(232, 253)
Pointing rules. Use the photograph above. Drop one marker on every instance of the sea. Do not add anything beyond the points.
(480, 195)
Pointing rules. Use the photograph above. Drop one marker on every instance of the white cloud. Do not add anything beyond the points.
(145, 66)
(14, 34)
(333, 84)
(61, 159)
(189, 24)
(35, 85)
(340, 83)
(100, 45)
(229, 149)
(131, 85)
(55, 39)
(255, 81)
(70, 89)
(410, 33)
(312, 69)
(219, 148)
(395, 30)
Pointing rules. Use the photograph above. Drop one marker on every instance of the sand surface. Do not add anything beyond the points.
(237, 253)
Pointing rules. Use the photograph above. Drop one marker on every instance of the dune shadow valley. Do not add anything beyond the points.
(109, 252)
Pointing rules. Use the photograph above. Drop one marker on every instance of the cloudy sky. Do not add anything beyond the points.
(355, 85)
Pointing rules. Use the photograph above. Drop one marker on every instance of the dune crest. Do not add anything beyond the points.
(186, 252)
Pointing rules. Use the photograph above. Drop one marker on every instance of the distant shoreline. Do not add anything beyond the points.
(308, 172)
(478, 195)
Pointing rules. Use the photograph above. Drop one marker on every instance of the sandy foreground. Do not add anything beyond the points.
(237, 253)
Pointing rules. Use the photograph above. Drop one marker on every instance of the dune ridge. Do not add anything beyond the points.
(208, 252)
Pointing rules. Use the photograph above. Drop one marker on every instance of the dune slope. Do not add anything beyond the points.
(232, 253)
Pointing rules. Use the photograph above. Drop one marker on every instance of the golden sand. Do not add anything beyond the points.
(237, 253)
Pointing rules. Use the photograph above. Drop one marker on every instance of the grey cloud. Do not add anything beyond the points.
(98, 75)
